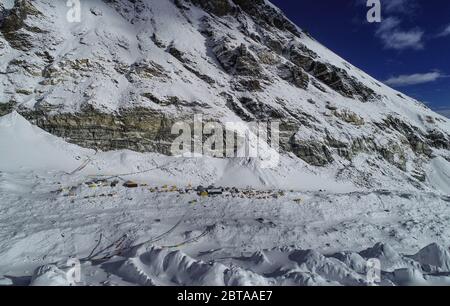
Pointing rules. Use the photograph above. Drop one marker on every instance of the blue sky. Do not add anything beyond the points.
(409, 50)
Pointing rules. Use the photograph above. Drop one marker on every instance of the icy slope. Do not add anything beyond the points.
(26, 147)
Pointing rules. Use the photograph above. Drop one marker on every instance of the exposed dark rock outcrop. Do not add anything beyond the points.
(438, 140)
(14, 28)
(334, 77)
(241, 61)
(260, 110)
(237, 108)
(349, 117)
(245, 84)
(314, 153)
(414, 136)
(266, 15)
(294, 75)
(238, 61)
(339, 80)
(146, 69)
(141, 130)
(6, 108)
(216, 7)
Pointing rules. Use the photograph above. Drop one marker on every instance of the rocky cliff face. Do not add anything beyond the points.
(122, 76)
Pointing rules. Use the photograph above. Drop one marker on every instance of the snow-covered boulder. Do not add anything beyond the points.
(434, 258)
(51, 275)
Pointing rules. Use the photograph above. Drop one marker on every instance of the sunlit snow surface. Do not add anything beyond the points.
(295, 225)
(142, 237)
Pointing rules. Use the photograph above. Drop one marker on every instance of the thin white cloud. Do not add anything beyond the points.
(414, 79)
(394, 38)
(445, 32)
(404, 40)
(388, 24)
(390, 32)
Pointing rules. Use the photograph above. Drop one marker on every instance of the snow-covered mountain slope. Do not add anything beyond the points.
(120, 78)
(25, 148)
(59, 201)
